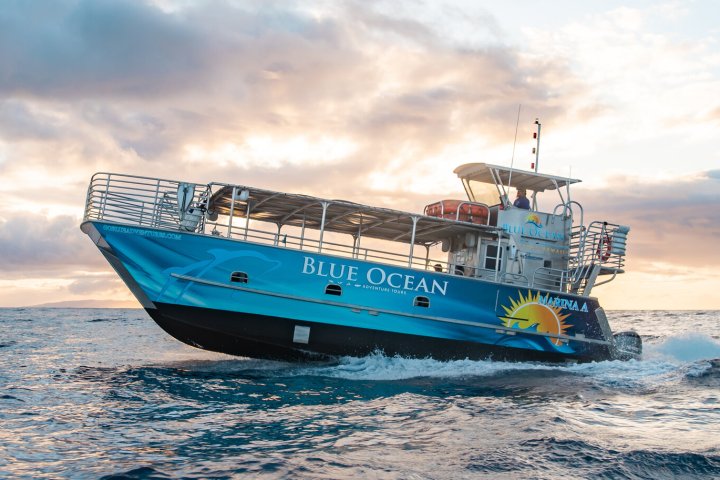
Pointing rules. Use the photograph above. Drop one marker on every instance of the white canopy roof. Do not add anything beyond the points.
(502, 176)
(340, 216)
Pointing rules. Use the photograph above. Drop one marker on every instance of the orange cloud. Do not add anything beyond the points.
(351, 101)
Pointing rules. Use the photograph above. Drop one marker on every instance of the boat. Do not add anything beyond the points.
(259, 273)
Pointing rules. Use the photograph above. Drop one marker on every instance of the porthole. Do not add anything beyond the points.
(239, 277)
(333, 289)
(421, 302)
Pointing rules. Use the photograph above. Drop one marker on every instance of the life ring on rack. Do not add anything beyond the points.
(604, 248)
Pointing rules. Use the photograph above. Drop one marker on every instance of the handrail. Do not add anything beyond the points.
(152, 202)
(598, 249)
(567, 207)
(140, 200)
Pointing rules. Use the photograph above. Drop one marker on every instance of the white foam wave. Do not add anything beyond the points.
(662, 362)
(689, 347)
(379, 367)
(673, 359)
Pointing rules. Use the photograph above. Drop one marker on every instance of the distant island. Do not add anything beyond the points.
(89, 304)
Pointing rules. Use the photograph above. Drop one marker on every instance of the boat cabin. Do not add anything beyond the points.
(530, 244)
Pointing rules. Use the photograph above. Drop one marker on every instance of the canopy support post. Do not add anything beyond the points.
(322, 225)
(412, 240)
(232, 211)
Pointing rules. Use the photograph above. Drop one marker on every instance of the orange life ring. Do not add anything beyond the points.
(604, 253)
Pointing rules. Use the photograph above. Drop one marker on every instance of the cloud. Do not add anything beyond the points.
(714, 114)
(369, 101)
(86, 48)
(671, 221)
(93, 284)
(99, 85)
(80, 49)
(19, 121)
(31, 244)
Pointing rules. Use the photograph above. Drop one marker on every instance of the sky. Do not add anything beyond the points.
(370, 101)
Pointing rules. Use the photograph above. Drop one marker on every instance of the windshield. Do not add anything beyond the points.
(482, 192)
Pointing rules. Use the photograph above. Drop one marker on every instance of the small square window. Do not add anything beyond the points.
(491, 253)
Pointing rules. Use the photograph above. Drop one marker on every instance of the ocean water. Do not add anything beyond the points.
(104, 393)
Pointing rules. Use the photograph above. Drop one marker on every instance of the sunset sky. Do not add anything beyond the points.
(371, 101)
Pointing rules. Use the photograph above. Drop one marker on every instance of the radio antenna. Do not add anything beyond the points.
(512, 158)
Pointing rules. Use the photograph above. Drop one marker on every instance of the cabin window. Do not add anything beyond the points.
(421, 302)
(239, 277)
(491, 252)
(333, 289)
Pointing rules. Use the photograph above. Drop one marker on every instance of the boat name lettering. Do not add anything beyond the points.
(144, 233)
(332, 270)
(375, 276)
(566, 303)
(530, 230)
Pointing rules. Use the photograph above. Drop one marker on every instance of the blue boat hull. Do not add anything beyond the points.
(259, 336)
(269, 301)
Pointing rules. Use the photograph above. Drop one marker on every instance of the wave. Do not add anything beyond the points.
(109, 319)
(377, 366)
(10, 397)
(684, 358)
(687, 347)
(677, 359)
(670, 355)
(591, 460)
(137, 473)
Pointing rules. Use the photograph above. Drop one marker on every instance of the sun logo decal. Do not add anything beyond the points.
(529, 313)
(534, 219)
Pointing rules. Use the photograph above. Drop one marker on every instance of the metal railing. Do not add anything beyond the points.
(601, 243)
(152, 202)
(596, 250)
(137, 200)
(550, 279)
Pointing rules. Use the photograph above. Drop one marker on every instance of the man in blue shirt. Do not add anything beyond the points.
(522, 201)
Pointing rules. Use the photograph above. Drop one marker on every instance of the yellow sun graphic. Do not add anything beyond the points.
(527, 312)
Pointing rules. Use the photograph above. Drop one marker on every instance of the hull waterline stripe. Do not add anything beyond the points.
(375, 311)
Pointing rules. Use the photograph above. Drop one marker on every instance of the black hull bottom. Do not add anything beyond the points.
(260, 336)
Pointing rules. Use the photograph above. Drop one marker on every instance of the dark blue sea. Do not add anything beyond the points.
(104, 393)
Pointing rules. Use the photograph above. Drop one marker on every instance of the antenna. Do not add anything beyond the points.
(512, 158)
(536, 150)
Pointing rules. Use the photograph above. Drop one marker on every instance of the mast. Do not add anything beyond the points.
(536, 149)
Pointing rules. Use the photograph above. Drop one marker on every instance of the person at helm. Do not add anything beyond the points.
(522, 201)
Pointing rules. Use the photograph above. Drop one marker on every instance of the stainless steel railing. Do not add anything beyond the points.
(152, 202)
(141, 201)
